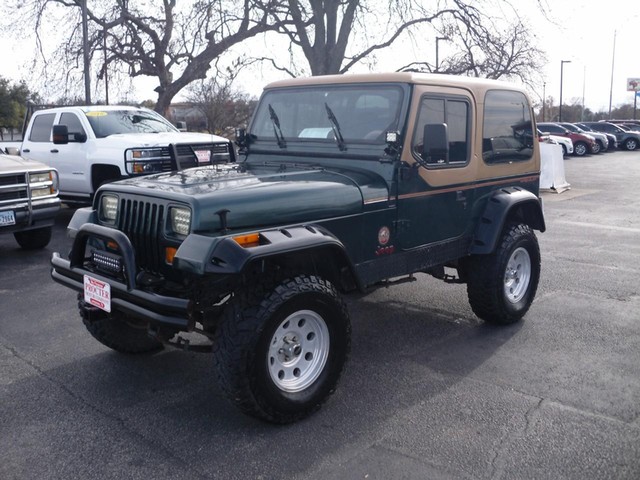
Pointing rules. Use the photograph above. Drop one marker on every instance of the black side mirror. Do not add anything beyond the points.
(241, 137)
(60, 134)
(435, 146)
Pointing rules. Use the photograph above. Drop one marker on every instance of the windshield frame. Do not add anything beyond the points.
(261, 128)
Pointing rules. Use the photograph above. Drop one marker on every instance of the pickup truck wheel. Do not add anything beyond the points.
(118, 332)
(630, 144)
(502, 285)
(280, 354)
(33, 239)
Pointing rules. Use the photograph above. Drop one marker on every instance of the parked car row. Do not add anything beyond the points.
(592, 137)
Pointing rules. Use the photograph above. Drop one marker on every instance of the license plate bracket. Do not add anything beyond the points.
(97, 293)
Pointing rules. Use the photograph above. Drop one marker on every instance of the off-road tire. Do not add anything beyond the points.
(254, 323)
(487, 284)
(119, 332)
(33, 239)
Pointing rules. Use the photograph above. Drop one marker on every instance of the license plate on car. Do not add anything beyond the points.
(7, 218)
(97, 293)
(203, 156)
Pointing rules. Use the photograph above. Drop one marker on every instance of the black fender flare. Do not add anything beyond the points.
(203, 255)
(504, 204)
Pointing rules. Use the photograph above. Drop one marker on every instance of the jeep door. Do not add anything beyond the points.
(435, 186)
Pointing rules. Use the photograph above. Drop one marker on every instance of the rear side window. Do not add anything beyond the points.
(507, 131)
(41, 129)
(452, 112)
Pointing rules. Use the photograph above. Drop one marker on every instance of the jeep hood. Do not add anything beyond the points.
(262, 196)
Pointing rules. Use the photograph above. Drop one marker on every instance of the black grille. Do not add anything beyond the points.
(14, 195)
(143, 223)
(18, 179)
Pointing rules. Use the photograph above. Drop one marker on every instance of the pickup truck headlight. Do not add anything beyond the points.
(145, 160)
(43, 183)
(180, 220)
(108, 208)
(40, 177)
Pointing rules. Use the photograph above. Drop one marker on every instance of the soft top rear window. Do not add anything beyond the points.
(507, 131)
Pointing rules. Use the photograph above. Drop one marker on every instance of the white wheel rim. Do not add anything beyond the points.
(517, 276)
(298, 351)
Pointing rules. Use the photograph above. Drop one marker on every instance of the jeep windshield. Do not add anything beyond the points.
(113, 122)
(337, 115)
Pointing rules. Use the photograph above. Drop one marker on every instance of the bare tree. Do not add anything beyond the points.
(336, 35)
(172, 44)
(223, 106)
(484, 51)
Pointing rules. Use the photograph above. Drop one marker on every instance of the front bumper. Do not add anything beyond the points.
(31, 216)
(126, 296)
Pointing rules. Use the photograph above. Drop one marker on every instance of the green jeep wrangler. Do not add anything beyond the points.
(341, 184)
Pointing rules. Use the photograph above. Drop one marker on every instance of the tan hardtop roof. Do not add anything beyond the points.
(471, 83)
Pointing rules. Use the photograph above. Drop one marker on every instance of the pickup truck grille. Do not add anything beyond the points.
(12, 179)
(13, 187)
(143, 223)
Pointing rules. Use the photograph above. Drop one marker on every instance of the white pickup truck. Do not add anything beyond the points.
(92, 145)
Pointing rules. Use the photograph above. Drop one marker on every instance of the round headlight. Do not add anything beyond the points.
(180, 220)
(109, 208)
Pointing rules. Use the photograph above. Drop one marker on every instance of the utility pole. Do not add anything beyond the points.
(613, 60)
(562, 62)
(85, 54)
(106, 74)
(584, 81)
(544, 100)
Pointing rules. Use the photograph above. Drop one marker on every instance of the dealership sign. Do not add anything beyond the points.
(633, 84)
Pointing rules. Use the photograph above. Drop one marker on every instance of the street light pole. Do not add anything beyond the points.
(562, 62)
(437, 52)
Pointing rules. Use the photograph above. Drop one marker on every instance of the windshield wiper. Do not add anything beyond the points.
(277, 131)
(335, 126)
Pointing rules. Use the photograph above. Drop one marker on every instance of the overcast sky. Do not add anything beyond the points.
(581, 31)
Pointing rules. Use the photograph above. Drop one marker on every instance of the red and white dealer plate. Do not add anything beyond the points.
(97, 293)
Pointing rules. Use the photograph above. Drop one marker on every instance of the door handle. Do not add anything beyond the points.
(55, 150)
(26, 150)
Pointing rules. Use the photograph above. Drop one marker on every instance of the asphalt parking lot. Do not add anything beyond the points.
(429, 391)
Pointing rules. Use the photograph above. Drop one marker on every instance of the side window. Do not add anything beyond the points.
(454, 114)
(551, 129)
(507, 127)
(72, 122)
(41, 129)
